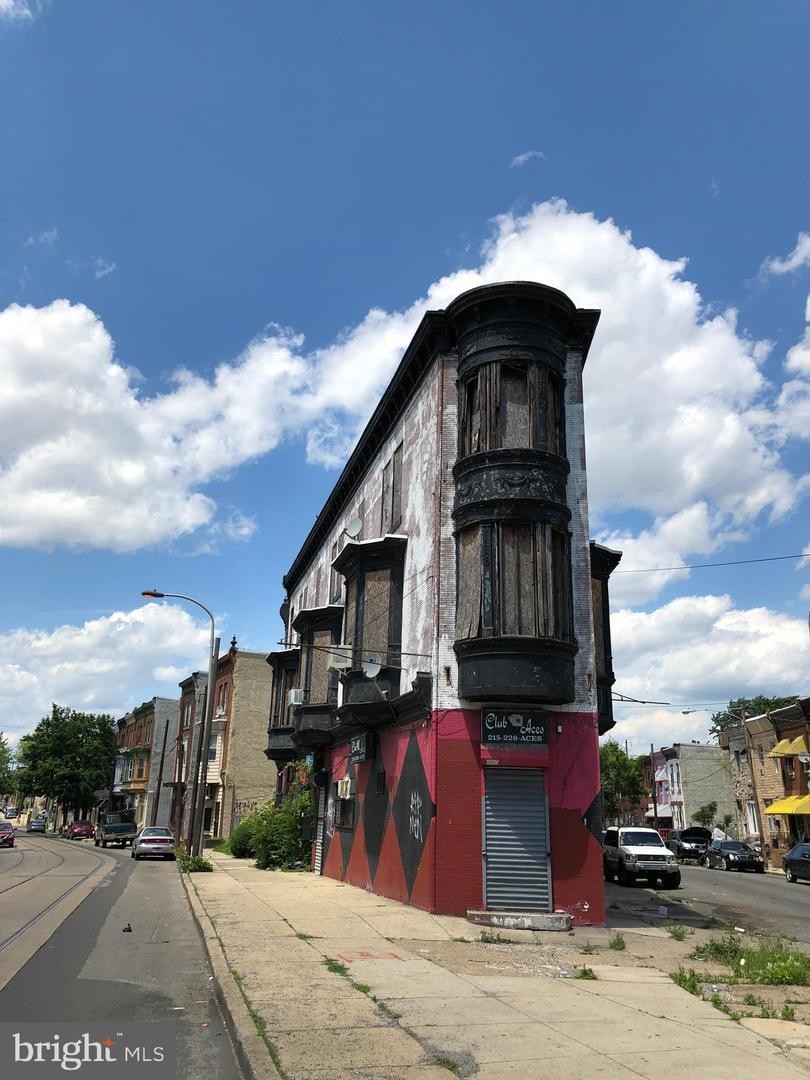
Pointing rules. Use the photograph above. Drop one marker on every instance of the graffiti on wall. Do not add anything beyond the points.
(241, 810)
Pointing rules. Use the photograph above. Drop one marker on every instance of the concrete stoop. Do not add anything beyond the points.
(522, 920)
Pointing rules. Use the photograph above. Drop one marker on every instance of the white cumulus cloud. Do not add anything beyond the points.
(800, 256)
(95, 667)
(521, 159)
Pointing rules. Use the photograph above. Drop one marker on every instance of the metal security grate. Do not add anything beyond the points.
(319, 827)
(517, 872)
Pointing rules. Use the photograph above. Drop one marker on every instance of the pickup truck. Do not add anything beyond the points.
(115, 829)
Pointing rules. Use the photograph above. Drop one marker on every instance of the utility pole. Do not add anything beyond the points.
(156, 803)
(654, 795)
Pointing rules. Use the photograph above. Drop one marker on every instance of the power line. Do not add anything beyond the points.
(702, 566)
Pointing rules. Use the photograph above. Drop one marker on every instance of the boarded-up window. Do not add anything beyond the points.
(516, 584)
(385, 521)
(334, 578)
(376, 608)
(318, 685)
(471, 438)
(555, 436)
(396, 488)
(468, 604)
(350, 612)
(561, 571)
(598, 625)
(513, 412)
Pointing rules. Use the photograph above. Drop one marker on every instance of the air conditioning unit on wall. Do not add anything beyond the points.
(296, 696)
(339, 658)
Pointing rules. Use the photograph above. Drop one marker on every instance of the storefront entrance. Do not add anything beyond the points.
(517, 868)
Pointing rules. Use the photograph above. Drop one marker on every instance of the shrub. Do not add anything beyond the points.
(192, 864)
(279, 833)
(241, 839)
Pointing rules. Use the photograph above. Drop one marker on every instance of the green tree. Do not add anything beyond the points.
(705, 815)
(7, 784)
(622, 779)
(68, 757)
(742, 708)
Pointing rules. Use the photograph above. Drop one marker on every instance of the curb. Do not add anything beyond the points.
(251, 1051)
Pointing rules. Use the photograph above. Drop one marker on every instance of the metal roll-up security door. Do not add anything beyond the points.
(319, 827)
(517, 871)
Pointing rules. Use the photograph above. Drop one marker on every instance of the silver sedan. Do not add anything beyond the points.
(153, 842)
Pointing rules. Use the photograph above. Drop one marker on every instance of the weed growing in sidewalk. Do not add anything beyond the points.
(304, 937)
(448, 1063)
(335, 967)
(675, 931)
(768, 961)
(260, 1026)
(787, 1013)
(364, 988)
(192, 864)
(752, 999)
(386, 1010)
(586, 973)
(617, 942)
(687, 980)
(491, 937)
(589, 948)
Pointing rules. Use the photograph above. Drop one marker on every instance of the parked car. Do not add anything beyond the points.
(10, 812)
(634, 852)
(733, 855)
(6, 834)
(115, 829)
(36, 824)
(689, 843)
(796, 863)
(80, 830)
(154, 841)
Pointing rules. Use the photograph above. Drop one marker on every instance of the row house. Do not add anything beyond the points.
(237, 776)
(446, 668)
(134, 791)
(688, 776)
(790, 758)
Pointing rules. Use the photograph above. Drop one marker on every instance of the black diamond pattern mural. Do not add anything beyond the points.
(375, 813)
(412, 809)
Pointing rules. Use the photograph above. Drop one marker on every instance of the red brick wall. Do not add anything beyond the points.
(459, 876)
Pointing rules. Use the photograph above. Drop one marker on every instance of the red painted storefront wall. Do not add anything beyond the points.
(448, 876)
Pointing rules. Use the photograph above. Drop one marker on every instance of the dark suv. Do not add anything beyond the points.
(690, 843)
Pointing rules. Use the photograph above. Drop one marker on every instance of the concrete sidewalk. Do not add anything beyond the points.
(339, 982)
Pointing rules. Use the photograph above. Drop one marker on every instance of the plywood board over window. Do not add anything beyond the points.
(376, 612)
(318, 659)
(468, 610)
(513, 408)
(517, 591)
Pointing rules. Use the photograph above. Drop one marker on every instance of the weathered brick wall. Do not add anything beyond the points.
(166, 723)
(249, 777)
(706, 776)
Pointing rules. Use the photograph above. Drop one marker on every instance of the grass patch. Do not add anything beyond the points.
(386, 1010)
(768, 961)
(452, 939)
(676, 932)
(752, 999)
(224, 848)
(304, 937)
(335, 967)
(260, 1026)
(586, 973)
(787, 1013)
(687, 980)
(448, 1063)
(589, 948)
(617, 942)
(364, 988)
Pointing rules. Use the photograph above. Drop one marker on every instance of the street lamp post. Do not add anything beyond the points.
(194, 839)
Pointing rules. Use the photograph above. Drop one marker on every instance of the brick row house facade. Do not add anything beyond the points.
(237, 776)
(440, 670)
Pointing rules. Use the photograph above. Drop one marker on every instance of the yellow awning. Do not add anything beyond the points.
(789, 805)
(804, 806)
(781, 749)
(799, 745)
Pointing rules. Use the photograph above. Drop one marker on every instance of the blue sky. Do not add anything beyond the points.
(216, 216)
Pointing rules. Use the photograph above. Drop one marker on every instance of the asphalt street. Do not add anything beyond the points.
(764, 902)
(88, 969)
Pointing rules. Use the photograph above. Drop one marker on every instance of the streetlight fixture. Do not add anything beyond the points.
(196, 812)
